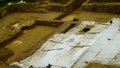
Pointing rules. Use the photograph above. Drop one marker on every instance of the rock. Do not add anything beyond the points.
(16, 26)
(17, 42)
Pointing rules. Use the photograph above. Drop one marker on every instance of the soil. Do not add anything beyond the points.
(97, 65)
(21, 18)
(104, 1)
(22, 45)
(28, 40)
(90, 16)
(4, 65)
(5, 53)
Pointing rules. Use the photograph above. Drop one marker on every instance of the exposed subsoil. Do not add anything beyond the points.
(28, 40)
(97, 65)
(22, 45)
(30, 37)
(90, 16)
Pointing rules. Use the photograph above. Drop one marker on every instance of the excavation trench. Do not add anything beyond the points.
(28, 41)
(31, 39)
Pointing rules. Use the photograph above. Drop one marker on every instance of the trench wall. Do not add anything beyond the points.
(54, 23)
(17, 33)
(27, 7)
(104, 0)
(110, 6)
(66, 8)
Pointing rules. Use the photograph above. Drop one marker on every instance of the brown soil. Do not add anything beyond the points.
(104, 1)
(31, 38)
(28, 40)
(60, 1)
(4, 65)
(5, 53)
(96, 65)
(21, 18)
(90, 16)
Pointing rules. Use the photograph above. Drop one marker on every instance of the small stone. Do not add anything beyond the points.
(109, 39)
(86, 62)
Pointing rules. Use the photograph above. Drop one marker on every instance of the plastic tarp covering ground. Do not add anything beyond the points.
(106, 47)
(100, 44)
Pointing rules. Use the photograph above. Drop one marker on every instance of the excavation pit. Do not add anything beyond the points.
(109, 6)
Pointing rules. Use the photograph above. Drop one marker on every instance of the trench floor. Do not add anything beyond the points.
(90, 16)
(28, 40)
